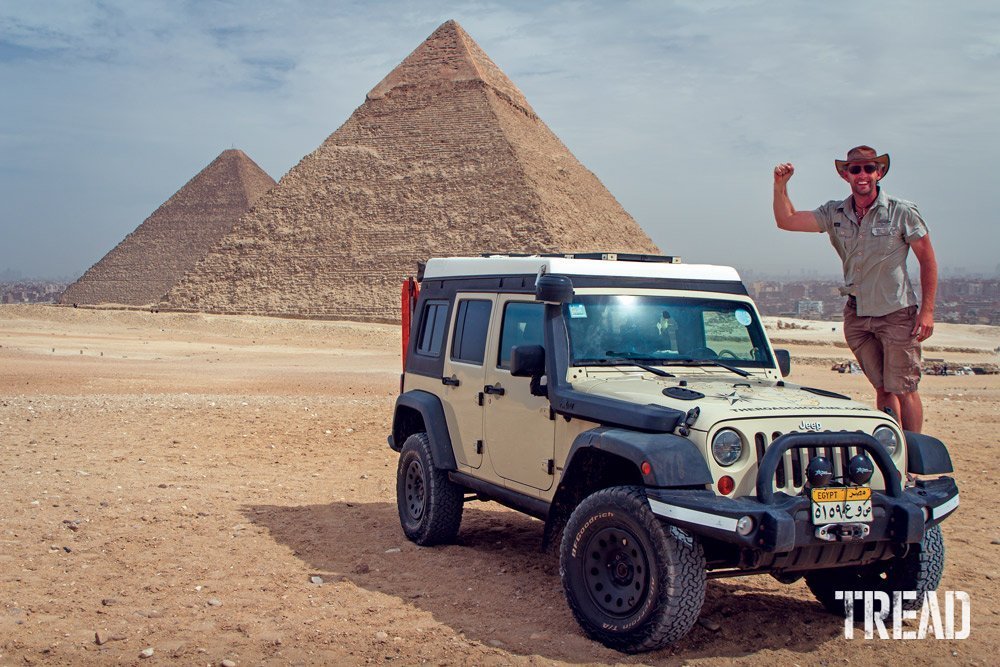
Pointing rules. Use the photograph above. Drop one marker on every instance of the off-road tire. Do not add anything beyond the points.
(429, 504)
(919, 570)
(633, 583)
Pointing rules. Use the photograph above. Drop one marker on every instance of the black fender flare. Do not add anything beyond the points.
(673, 461)
(429, 407)
(926, 455)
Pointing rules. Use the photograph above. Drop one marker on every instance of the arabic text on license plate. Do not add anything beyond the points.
(841, 505)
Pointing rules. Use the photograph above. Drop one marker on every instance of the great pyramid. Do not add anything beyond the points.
(445, 157)
(168, 244)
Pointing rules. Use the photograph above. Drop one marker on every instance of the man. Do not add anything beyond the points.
(873, 233)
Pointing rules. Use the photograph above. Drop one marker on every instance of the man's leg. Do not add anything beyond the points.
(902, 365)
(884, 399)
(867, 349)
(911, 410)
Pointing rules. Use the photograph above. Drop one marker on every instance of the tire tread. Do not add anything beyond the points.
(443, 514)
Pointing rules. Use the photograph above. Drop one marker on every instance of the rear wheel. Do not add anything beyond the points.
(429, 504)
(919, 570)
(632, 582)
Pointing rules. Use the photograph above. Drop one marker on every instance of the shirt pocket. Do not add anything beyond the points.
(845, 230)
(887, 237)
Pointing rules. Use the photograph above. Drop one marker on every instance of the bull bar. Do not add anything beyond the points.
(782, 523)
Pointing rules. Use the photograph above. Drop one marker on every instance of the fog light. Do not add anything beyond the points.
(745, 526)
(927, 513)
(860, 469)
(819, 472)
(726, 485)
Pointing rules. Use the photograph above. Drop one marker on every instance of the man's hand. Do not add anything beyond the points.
(782, 173)
(924, 326)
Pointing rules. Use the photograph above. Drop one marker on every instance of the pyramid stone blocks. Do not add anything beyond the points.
(445, 157)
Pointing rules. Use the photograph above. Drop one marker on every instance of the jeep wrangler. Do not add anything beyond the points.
(636, 406)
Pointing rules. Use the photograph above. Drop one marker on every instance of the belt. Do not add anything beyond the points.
(852, 301)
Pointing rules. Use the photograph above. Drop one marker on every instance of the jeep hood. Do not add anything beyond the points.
(725, 398)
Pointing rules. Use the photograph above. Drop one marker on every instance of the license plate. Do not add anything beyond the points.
(841, 505)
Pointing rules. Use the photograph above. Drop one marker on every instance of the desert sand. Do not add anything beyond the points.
(219, 488)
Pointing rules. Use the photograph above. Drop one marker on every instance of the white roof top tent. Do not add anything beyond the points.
(630, 266)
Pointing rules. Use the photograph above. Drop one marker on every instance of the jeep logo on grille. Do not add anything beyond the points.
(810, 426)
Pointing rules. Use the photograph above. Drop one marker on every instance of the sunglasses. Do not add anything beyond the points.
(856, 168)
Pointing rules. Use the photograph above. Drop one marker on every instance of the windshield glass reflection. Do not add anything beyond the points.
(610, 329)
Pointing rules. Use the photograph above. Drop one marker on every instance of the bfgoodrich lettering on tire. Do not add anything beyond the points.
(632, 582)
(429, 504)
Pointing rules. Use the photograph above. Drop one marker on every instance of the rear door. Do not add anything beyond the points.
(518, 429)
(464, 375)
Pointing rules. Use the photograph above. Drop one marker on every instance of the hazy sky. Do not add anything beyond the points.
(680, 108)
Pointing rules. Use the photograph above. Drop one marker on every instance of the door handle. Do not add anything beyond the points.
(496, 390)
(451, 382)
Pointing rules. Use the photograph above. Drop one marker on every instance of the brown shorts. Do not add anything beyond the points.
(886, 348)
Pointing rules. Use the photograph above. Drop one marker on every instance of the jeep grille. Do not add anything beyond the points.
(791, 473)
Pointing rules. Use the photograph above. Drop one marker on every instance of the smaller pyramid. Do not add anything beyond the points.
(150, 260)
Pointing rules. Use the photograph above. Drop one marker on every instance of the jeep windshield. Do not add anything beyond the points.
(664, 330)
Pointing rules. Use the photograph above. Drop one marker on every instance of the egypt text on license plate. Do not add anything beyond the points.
(841, 505)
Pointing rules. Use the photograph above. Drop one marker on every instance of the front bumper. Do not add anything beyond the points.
(783, 523)
(786, 523)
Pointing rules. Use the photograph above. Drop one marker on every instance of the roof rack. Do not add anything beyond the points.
(605, 256)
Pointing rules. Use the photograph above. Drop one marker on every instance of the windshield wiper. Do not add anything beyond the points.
(634, 361)
(707, 362)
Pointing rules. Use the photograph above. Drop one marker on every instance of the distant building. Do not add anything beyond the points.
(809, 308)
(31, 291)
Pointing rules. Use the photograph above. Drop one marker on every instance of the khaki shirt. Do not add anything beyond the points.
(874, 252)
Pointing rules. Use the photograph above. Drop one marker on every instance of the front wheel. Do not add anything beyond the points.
(633, 583)
(429, 504)
(919, 570)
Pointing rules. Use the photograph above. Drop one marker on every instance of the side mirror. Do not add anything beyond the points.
(527, 361)
(784, 362)
(553, 288)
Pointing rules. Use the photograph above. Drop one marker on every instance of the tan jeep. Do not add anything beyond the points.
(635, 405)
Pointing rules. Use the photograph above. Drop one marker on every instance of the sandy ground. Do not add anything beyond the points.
(176, 482)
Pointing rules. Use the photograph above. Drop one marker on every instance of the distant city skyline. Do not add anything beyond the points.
(11, 275)
(960, 300)
(680, 108)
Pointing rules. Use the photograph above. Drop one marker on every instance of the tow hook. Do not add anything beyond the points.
(843, 532)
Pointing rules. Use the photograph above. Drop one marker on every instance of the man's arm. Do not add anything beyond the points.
(784, 213)
(924, 252)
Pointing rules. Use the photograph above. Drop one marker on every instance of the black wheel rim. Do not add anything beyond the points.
(413, 488)
(616, 571)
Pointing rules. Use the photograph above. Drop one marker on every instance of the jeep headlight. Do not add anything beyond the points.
(727, 446)
(887, 438)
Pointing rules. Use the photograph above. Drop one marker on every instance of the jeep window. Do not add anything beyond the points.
(471, 325)
(607, 328)
(522, 325)
(433, 324)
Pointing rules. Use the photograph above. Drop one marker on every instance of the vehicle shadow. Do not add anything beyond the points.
(496, 586)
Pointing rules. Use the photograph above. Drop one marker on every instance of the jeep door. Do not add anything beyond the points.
(464, 376)
(518, 430)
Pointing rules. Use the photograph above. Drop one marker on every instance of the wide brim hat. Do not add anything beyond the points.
(863, 154)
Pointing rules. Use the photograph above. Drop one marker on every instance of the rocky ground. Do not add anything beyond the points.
(218, 490)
